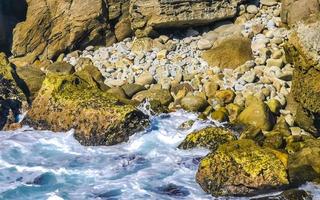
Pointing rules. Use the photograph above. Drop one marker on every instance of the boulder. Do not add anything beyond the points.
(257, 114)
(209, 138)
(53, 27)
(193, 103)
(293, 11)
(304, 163)
(242, 168)
(163, 96)
(132, 89)
(150, 15)
(76, 102)
(230, 53)
(13, 101)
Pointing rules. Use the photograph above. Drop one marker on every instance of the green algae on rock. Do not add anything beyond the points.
(242, 168)
(72, 102)
(210, 138)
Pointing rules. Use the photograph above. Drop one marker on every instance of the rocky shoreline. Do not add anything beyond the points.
(252, 67)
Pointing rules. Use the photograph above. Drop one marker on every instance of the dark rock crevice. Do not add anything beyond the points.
(11, 13)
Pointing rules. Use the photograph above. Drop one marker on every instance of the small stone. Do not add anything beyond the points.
(220, 115)
(204, 44)
(145, 78)
(194, 103)
(268, 2)
(210, 89)
(225, 96)
(274, 105)
(162, 54)
(296, 131)
(252, 9)
(274, 62)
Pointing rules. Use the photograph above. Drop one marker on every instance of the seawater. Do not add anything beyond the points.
(54, 166)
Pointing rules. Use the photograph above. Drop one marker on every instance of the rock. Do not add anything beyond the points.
(117, 92)
(274, 106)
(302, 49)
(257, 114)
(90, 73)
(145, 78)
(131, 89)
(230, 53)
(163, 96)
(75, 102)
(269, 2)
(33, 78)
(293, 11)
(304, 164)
(141, 45)
(220, 115)
(224, 97)
(211, 88)
(274, 63)
(204, 44)
(123, 29)
(233, 111)
(53, 27)
(193, 103)
(186, 125)
(60, 67)
(13, 101)
(155, 14)
(242, 168)
(209, 138)
(252, 9)
(292, 194)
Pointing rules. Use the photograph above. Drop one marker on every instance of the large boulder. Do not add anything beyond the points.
(293, 11)
(230, 53)
(210, 137)
(76, 102)
(303, 50)
(148, 15)
(12, 99)
(242, 168)
(54, 26)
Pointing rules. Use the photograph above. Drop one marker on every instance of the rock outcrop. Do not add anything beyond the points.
(303, 50)
(12, 99)
(242, 168)
(77, 102)
(53, 27)
(149, 15)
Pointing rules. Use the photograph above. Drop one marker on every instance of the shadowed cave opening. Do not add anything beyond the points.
(11, 13)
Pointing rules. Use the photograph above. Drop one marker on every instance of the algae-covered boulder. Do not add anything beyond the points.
(76, 102)
(304, 162)
(258, 115)
(193, 103)
(230, 53)
(12, 99)
(242, 168)
(210, 138)
(160, 95)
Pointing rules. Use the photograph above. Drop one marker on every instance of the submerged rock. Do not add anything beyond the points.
(210, 138)
(242, 168)
(293, 194)
(76, 102)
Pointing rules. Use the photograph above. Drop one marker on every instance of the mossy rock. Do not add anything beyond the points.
(61, 68)
(277, 138)
(71, 102)
(209, 138)
(160, 95)
(230, 53)
(193, 103)
(132, 89)
(304, 162)
(242, 168)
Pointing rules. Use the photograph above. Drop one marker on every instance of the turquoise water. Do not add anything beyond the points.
(44, 165)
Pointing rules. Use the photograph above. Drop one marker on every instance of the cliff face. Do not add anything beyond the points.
(11, 13)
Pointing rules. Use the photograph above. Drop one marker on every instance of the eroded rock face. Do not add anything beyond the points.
(76, 102)
(303, 50)
(54, 26)
(242, 168)
(148, 15)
